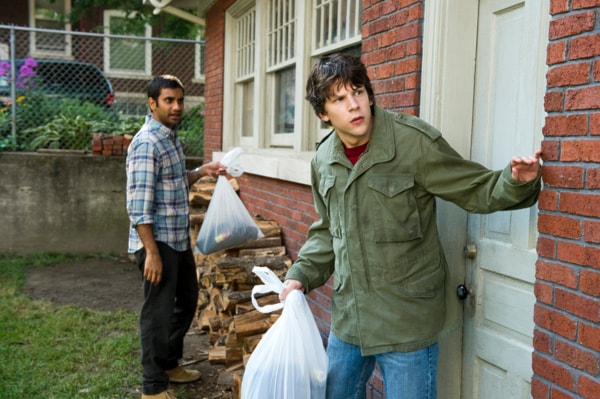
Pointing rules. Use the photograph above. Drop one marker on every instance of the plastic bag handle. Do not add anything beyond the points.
(272, 284)
(231, 160)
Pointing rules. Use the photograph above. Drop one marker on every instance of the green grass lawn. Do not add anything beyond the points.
(53, 351)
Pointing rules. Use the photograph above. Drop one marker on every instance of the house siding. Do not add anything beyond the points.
(567, 337)
(15, 12)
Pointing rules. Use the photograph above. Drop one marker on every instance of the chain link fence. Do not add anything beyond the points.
(59, 89)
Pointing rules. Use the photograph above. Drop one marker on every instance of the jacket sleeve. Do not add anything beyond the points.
(315, 263)
(472, 186)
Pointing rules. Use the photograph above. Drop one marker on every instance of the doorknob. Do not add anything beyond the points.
(462, 292)
(470, 251)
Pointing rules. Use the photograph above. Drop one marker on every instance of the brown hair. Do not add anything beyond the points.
(332, 72)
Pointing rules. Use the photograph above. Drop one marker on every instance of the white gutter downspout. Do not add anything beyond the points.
(163, 5)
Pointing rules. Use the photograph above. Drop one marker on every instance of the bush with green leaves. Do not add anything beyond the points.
(70, 124)
(44, 122)
(116, 127)
(191, 131)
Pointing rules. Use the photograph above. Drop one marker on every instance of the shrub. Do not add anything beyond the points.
(191, 131)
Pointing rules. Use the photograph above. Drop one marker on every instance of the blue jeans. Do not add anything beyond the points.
(406, 375)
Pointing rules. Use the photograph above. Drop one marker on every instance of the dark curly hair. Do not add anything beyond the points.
(332, 72)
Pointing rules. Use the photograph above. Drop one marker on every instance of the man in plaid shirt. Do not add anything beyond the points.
(158, 210)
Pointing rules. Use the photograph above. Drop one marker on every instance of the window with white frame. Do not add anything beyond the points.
(270, 46)
(281, 69)
(128, 55)
(244, 73)
(47, 17)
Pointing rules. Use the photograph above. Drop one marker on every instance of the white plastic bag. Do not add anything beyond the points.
(290, 361)
(227, 223)
(232, 161)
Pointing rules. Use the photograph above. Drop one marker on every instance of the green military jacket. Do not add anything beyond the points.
(377, 231)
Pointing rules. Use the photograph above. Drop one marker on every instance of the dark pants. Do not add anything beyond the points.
(166, 316)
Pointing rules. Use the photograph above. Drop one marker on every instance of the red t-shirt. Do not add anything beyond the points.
(354, 153)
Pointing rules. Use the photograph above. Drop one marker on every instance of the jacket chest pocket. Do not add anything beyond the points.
(393, 208)
(329, 195)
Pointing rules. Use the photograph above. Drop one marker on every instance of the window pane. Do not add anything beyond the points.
(285, 106)
(126, 54)
(245, 39)
(245, 45)
(336, 21)
(247, 108)
(49, 41)
(281, 34)
(50, 16)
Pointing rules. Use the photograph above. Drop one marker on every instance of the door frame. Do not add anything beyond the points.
(447, 90)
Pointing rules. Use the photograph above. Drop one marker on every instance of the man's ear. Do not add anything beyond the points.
(151, 103)
(324, 118)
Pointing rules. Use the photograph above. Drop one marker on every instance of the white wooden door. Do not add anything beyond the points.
(507, 121)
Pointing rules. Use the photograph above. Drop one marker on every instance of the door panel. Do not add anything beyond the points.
(507, 121)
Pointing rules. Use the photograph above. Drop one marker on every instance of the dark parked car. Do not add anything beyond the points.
(61, 78)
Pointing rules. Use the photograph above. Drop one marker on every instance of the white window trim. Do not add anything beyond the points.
(35, 52)
(230, 137)
(280, 164)
(120, 73)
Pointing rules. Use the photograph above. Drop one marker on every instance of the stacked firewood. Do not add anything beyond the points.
(226, 280)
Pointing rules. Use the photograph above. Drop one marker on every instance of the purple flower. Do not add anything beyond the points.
(30, 62)
(4, 68)
(26, 72)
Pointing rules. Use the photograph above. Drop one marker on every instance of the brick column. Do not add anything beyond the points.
(566, 358)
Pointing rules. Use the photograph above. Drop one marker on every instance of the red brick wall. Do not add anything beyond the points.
(566, 358)
(393, 56)
(213, 74)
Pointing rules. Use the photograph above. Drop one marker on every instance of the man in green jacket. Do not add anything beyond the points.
(374, 185)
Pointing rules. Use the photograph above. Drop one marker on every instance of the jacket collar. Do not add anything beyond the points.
(381, 148)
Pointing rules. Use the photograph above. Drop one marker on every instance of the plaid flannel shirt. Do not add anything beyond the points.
(157, 186)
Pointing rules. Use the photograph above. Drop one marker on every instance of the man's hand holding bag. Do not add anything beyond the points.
(227, 223)
(290, 361)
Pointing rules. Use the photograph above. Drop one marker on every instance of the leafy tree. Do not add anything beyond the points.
(172, 26)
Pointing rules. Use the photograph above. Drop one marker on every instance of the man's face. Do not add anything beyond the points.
(169, 108)
(348, 111)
